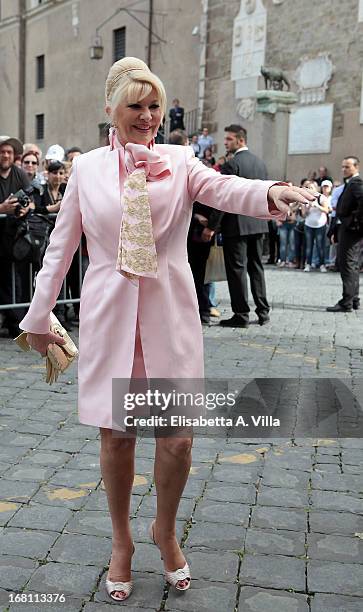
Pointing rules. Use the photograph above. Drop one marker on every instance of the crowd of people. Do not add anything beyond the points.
(31, 191)
(309, 241)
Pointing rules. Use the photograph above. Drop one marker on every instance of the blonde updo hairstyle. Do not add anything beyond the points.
(130, 80)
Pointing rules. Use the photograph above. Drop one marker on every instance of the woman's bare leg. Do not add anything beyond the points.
(117, 460)
(172, 465)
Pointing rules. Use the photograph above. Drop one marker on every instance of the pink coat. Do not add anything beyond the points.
(166, 307)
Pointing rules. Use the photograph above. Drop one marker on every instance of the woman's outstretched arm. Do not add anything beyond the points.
(254, 198)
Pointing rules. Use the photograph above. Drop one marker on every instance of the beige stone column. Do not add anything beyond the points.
(275, 107)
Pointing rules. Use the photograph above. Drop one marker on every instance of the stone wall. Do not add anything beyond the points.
(294, 29)
(73, 97)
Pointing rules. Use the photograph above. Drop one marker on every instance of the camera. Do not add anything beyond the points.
(24, 198)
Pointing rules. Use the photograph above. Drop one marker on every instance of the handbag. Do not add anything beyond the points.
(32, 238)
(58, 357)
(215, 269)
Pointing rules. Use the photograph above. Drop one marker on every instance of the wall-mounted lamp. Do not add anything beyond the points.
(96, 48)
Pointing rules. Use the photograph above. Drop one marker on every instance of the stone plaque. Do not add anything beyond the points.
(310, 129)
(248, 49)
(312, 77)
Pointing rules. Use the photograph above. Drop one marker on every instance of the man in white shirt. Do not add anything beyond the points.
(204, 142)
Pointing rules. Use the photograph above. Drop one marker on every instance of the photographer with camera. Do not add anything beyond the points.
(14, 202)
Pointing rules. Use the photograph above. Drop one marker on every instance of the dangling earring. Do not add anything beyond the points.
(112, 136)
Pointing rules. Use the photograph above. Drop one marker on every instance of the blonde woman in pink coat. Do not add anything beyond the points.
(139, 312)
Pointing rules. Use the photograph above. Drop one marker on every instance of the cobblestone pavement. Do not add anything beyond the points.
(272, 525)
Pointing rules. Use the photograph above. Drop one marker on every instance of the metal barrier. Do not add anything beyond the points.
(66, 299)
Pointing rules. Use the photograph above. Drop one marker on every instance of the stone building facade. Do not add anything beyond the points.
(209, 54)
(72, 99)
(328, 32)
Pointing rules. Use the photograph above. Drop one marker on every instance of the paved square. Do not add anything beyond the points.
(268, 524)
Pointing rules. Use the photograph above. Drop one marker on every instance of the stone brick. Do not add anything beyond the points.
(90, 522)
(214, 566)
(279, 518)
(335, 548)
(70, 579)
(64, 497)
(7, 510)
(48, 459)
(275, 542)
(236, 473)
(335, 603)
(222, 512)
(17, 490)
(81, 550)
(84, 462)
(15, 571)
(204, 596)
(76, 478)
(30, 472)
(288, 479)
(245, 494)
(27, 543)
(327, 500)
(37, 516)
(340, 523)
(277, 572)
(255, 599)
(340, 578)
(211, 535)
(288, 498)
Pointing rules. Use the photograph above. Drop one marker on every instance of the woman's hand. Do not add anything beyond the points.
(40, 342)
(281, 196)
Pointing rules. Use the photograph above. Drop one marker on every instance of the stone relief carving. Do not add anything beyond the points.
(246, 108)
(250, 6)
(248, 50)
(312, 77)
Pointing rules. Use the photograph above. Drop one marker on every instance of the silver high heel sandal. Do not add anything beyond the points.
(180, 575)
(125, 587)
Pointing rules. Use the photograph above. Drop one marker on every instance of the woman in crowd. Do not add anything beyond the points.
(316, 220)
(287, 241)
(30, 165)
(208, 157)
(139, 313)
(54, 189)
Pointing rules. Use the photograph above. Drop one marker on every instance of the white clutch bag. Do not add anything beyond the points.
(59, 357)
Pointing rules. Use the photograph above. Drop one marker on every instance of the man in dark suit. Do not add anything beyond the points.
(350, 213)
(243, 237)
(176, 116)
